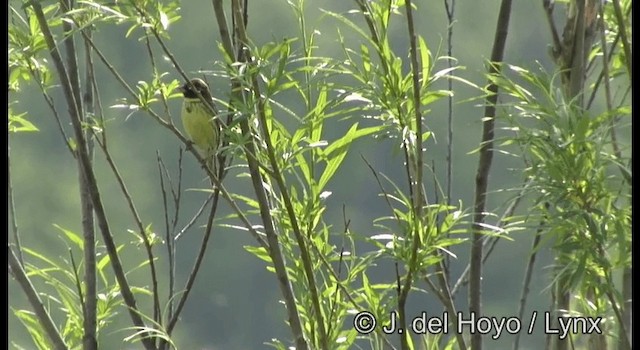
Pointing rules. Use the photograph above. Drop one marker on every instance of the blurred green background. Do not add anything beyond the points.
(235, 301)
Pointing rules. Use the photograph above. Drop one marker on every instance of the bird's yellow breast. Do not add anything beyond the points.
(198, 122)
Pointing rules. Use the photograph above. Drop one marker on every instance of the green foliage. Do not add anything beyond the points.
(27, 46)
(61, 285)
(149, 15)
(579, 184)
(303, 113)
(299, 160)
(310, 160)
(18, 123)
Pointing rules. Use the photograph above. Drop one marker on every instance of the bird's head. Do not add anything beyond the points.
(194, 88)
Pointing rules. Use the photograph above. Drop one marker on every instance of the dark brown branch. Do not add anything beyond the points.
(450, 8)
(548, 6)
(89, 176)
(189, 146)
(416, 150)
(90, 322)
(32, 295)
(484, 166)
(300, 239)
(142, 232)
(197, 264)
(529, 273)
(265, 214)
(12, 208)
(622, 29)
(223, 28)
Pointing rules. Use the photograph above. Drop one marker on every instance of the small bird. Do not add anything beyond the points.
(200, 120)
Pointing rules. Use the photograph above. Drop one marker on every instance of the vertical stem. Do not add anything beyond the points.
(484, 165)
(89, 245)
(450, 7)
(89, 340)
(578, 63)
(85, 164)
(627, 299)
(12, 208)
(527, 280)
(265, 212)
(418, 200)
(617, 10)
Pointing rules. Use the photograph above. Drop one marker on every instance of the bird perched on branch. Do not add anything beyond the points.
(200, 120)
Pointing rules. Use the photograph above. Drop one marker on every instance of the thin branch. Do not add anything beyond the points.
(580, 45)
(193, 220)
(90, 323)
(450, 11)
(336, 293)
(622, 29)
(447, 300)
(168, 237)
(528, 274)
(50, 103)
(463, 279)
(623, 335)
(188, 145)
(279, 178)
(450, 8)
(173, 319)
(72, 60)
(154, 68)
(347, 293)
(201, 252)
(382, 189)
(12, 208)
(32, 295)
(223, 29)
(598, 81)
(484, 166)
(165, 49)
(81, 297)
(548, 6)
(608, 98)
(142, 232)
(627, 300)
(418, 201)
(85, 164)
(377, 40)
(197, 264)
(257, 181)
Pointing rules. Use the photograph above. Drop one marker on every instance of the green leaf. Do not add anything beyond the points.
(356, 28)
(340, 147)
(41, 257)
(31, 323)
(366, 59)
(164, 20)
(72, 236)
(102, 263)
(19, 124)
(433, 96)
(425, 60)
(259, 252)
(318, 110)
(366, 286)
(247, 200)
